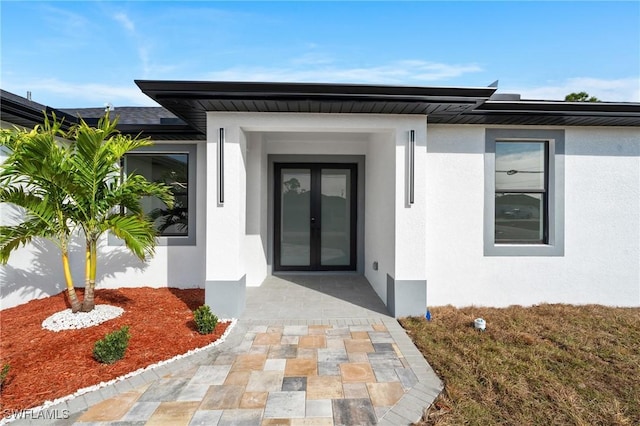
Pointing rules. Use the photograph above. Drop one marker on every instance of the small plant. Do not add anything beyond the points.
(205, 320)
(112, 347)
(3, 375)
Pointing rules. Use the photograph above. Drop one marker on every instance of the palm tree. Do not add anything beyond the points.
(104, 200)
(36, 177)
(64, 181)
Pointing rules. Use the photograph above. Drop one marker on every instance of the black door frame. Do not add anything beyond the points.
(315, 212)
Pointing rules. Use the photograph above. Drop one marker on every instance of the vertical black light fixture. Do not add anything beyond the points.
(412, 163)
(221, 167)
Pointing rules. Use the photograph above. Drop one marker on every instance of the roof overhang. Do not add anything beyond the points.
(22, 112)
(25, 113)
(554, 113)
(191, 100)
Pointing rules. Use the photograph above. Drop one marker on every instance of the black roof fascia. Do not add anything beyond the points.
(158, 89)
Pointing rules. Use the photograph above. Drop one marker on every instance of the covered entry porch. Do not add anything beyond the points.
(382, 237)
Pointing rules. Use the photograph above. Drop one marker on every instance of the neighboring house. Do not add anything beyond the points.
(437, 196)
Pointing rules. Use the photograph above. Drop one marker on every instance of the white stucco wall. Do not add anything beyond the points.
(410, 223)
(257, 199)
(226, 222)
(380, 214)
(601, 261)
(35, 271)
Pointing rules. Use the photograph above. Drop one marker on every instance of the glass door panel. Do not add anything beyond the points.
(295, 208)
(335, 231)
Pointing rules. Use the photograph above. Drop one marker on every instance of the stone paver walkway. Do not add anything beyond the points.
(283, 371)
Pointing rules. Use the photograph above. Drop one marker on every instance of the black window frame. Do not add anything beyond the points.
(172, 149)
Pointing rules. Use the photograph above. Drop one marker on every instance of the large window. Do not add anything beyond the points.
(524, 192)
(173, 165)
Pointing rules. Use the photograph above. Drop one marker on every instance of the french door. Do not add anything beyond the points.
(315, 217)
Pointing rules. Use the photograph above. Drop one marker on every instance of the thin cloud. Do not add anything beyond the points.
(142, 47)
(615, 90)
(401, 72)
(72, 21)
(312, 59)
(124, 20)
(143, 55)
(433, 71)
(62, 28)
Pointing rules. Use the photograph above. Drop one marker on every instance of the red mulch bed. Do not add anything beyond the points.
(46, 365)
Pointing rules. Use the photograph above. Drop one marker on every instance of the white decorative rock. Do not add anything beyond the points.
(66, 320)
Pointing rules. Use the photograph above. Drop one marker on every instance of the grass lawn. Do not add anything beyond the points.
(542, 365)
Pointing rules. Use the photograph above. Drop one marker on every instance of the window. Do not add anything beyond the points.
(173, 165)
(521, 192)
(524, 192)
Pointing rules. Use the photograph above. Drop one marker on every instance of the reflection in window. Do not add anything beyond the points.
(521, 192)
(335, 234)
(172, 170)
(295, 237)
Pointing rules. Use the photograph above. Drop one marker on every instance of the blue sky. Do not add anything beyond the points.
(81, 54)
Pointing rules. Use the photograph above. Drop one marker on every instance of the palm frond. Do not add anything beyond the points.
(136, 231)
(13, 237)
(35, 177)
(34, 206)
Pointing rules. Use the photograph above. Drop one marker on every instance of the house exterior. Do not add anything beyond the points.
(437, 196)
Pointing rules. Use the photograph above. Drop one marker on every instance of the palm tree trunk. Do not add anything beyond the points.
(87, 261)
(89, 299)
(73, 297)
(87, 267)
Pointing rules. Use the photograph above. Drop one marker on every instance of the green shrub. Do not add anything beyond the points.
(205, 320)
(3, 375)
(112, 347)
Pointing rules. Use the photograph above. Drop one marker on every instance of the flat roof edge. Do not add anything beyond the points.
(173, 87)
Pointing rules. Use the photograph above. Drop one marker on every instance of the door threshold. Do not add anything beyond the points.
(316, 273)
